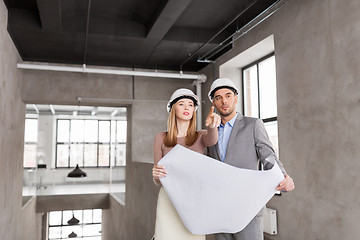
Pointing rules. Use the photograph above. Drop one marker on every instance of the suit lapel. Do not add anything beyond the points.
(217, 151)
(233, 134)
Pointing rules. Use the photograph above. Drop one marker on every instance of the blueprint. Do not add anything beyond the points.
(211, 196)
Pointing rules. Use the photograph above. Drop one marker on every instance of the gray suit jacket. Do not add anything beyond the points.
(248, 143)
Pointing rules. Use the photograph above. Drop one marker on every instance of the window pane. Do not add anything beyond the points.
(77, 131)
(66, 230)
(88, 216)
(120, 154)
(272, 130)
(121, 131)
(55, 218)
(30, 155)
(113, 131)
(97, 215)
(62, 155)
(67, 215)
(250, 90)
(54, 232)
(63, 130)
(76, 154)
(90, 155)
(31, 129)
(79, 215)
(91, 130)
(104, 131)
(104, 155)
(93, 229)
(267, 82)
(112, 155)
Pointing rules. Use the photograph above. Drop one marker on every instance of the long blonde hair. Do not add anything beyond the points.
(170, 138)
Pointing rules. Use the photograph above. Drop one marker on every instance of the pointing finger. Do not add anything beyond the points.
(210, 116)
(211, 112)
(209, 120)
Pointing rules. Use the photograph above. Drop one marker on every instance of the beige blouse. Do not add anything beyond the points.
(205, 139)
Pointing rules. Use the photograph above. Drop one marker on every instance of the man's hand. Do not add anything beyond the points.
(213, 120)
(286, 185)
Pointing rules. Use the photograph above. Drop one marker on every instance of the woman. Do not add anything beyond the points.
(181, 130)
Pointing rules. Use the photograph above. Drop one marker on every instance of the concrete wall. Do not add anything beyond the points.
(30, 223)
(146, 100)
(72, 202)
(15, 222)
(135, 220)
(317, 66)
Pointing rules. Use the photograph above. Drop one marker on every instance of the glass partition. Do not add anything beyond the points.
(86, 140)
(30, 155)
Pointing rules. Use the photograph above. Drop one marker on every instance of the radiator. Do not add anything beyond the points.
(270, 222)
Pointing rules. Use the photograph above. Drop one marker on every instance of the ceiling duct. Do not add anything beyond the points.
(84, 69)
(214, 52)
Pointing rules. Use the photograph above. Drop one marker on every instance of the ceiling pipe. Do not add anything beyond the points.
(198, 78)
(87, 30)
(191, 55)
(242, 31)
(84, 69)
(198, 86)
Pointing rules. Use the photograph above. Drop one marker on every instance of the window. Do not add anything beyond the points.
(30, 142)
(118, 142)
(259, 93)
(90, 143)
(88, 226)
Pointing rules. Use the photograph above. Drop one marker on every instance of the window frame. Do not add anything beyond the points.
(98, 143)
(81, 224)
(271, 119)
(265, 120)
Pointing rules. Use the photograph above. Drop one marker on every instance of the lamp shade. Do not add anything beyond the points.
(77, 172)
(72, 235)
(73, 221)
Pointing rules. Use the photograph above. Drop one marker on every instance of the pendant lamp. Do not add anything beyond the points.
(77, 172)
(73, 221)
(72, 235)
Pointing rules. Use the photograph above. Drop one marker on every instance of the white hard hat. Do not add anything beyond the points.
(182, 93)
(221, 83)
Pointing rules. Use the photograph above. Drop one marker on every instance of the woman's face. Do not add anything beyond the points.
(184, 109)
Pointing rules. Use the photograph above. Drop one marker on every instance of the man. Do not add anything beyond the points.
(243, 141)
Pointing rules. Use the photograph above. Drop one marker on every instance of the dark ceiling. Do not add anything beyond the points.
(152, 34)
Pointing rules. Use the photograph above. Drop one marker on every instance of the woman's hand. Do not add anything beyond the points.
(213, 120)
(158, 172)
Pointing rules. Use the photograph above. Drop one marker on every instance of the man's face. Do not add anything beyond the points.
(224, 101)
